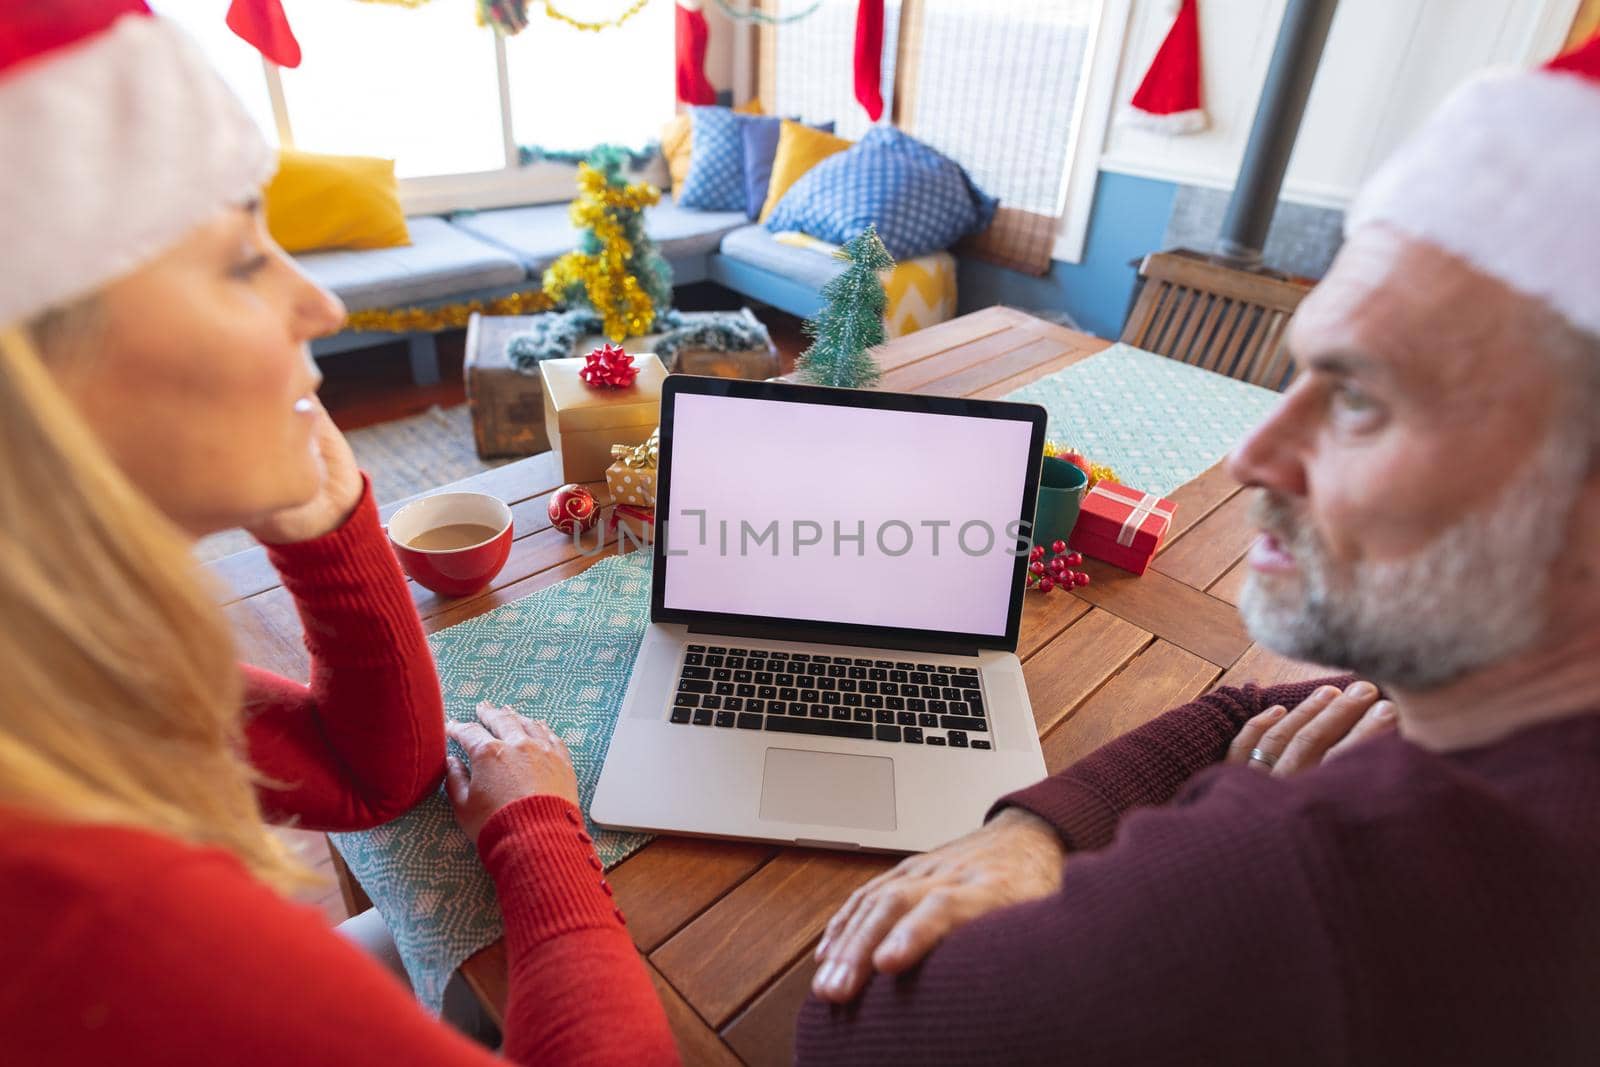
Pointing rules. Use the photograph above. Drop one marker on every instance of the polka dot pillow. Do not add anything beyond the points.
(921, 201)
(716, 161)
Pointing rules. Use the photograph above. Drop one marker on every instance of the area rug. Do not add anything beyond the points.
(404, 457)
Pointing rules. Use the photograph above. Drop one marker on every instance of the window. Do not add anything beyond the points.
(1017, 91)
(447, 99)
(814, 75)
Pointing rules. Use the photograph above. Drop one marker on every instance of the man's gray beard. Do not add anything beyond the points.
(1474, 595)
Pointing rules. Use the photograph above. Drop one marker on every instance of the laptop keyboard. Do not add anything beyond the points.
(895, 701)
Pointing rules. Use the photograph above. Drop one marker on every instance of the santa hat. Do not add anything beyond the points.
(1506, 175)
(1168, 100)
(117, 139)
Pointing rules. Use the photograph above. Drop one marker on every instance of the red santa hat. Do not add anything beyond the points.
(1506, 175)
(1170, 97)
(117, 139)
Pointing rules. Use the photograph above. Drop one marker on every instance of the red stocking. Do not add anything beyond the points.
(693, 88)
(264, 25)
(869, 57)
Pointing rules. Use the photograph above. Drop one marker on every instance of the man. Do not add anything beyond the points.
(1429, 504)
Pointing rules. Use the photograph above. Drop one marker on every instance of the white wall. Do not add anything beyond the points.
(1387, 64)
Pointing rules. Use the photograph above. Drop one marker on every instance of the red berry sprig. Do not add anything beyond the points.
(1045, 575)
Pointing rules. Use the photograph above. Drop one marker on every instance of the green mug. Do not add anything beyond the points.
(1061, 489)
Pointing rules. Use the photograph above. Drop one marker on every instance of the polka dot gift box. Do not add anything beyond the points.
(632, 475)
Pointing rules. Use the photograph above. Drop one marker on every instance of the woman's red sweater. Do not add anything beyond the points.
(128, 947)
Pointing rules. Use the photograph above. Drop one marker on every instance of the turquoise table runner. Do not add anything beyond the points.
(562, 654)
(1156, 421)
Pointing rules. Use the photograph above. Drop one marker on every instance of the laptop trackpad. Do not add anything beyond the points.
(828, 789)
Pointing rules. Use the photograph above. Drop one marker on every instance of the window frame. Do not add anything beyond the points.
(510, 185)
(1090, 123)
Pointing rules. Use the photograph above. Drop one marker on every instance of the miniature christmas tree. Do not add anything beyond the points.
(616, 270)
(851, 322)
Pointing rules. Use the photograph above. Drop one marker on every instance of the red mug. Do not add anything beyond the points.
(438, 546)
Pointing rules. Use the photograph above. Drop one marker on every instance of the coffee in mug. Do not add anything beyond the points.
(453, 535)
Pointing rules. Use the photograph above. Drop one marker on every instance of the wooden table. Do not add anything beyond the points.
(726, 929)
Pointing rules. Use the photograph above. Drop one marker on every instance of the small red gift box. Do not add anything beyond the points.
(1121, 526)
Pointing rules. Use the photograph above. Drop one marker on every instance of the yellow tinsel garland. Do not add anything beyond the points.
(430, 320)
(625, 309)
(1098, 472)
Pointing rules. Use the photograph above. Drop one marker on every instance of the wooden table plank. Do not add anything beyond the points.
(1231, 585)
(1265, 667)
(1213, 545)
(722, 959)
(1007, 366)
(763, 1034)
(1161, 677)
(698, 1043)
(1044, 616)
(1064, 673)
(1180, 613)
(913, 377)
(1196, 499)
(671, 880)
(955, 333)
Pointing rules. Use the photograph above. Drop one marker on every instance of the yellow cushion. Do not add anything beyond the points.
(317, 202)
(675, 142)
(799, 149)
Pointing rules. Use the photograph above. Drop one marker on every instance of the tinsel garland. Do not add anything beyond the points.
(510, 17)
(556, 335)
(448, 316)
(577, 24)
(636, 158)
(616, 269)
(1098, 472)
(758, 16)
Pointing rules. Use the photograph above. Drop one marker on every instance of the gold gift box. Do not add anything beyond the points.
(632, 474)
(583, 423)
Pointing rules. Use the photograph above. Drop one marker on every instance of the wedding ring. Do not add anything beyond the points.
(1266, 759)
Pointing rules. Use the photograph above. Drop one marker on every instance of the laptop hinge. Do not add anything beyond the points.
(827, 635)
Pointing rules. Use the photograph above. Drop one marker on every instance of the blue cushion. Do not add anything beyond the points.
(920, 201)
(760, 134)
(716, 161)
(539, 235)
(441, 261)
(756, 246)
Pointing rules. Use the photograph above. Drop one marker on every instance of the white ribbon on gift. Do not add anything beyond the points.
(1144, 506)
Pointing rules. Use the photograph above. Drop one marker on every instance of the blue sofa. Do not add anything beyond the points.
(487, 254)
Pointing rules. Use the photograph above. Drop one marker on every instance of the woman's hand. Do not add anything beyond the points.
(1325, 724)
(336, 497)
(512, 758)
(896, 919)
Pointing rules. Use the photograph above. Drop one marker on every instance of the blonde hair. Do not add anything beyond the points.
(121, 702)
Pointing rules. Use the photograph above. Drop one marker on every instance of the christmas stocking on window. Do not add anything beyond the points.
(693, 86)
(264, 25)
(869, 57)
(1168, 100)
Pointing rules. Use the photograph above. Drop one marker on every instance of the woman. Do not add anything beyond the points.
(160, 391)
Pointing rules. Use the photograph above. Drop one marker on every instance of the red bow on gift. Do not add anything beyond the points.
(608, 367)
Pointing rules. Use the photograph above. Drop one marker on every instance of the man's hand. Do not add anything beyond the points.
(336, 498)
(1325, 724)
(893, 921)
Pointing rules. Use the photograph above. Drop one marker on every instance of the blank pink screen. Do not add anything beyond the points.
(763, 461)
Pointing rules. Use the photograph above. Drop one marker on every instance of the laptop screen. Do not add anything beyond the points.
(834, 513)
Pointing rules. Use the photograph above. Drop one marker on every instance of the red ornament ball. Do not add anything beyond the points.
(1058, 564)
(1058, 547)
(572, 508)
(1037, 566)
(1045, 585)
(1081, 579)
(1074, 559)
(1037, 553)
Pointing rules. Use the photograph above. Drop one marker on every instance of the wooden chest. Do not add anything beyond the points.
(507, 406)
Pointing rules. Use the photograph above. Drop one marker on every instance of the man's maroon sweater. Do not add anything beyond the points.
(1394, 906)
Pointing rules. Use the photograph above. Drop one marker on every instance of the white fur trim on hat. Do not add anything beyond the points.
(114, 149)
(1507, 177)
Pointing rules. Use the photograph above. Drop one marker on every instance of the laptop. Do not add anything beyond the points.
(837, 591)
